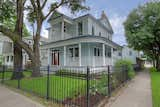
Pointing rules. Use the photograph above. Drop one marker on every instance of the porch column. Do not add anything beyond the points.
(48, 50)
(62, 30)
(64, 52)
(80, 63)
(103, 49)
(112, 60)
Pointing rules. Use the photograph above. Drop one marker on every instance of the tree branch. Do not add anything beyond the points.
(43, 5)
(33, 4)
(15, 38)
(53, 9)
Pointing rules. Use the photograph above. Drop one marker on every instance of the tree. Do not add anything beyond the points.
(142, 29)
(37, 16)
(14, 21)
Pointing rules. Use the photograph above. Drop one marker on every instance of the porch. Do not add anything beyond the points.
(80, 54)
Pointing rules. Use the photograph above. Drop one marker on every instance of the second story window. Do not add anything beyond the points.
(93, 30)
(80, 28)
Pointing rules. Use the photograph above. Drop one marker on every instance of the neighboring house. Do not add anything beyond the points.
(82, 41)
(117, 54)
(6, 49)
(130, 54)
(29, 40)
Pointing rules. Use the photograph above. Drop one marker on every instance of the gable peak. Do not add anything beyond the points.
(103, 15)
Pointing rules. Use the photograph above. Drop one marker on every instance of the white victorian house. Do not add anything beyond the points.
(82, 41)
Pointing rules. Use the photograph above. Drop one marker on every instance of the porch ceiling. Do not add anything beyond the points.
(81, 39)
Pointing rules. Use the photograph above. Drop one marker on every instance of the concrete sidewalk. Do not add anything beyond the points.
(9, 98)
(137, 93)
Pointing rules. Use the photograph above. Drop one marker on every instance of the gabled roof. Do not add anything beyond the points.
(96, 20)
(58, 14)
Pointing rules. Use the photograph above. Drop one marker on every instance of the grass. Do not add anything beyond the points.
(8, 74)
(155, 81)
(60, 88)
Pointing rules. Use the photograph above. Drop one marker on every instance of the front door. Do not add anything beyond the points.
(55, 58)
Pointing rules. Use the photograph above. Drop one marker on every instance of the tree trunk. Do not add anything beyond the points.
(158, 63)
(17, 49)
(17, 62)
(36, 61)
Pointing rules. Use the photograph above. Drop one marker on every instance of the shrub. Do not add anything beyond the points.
(153, 69)
(0, 63)
(129, 66)
(131, 74)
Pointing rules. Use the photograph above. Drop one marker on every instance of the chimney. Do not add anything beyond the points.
(103, 15)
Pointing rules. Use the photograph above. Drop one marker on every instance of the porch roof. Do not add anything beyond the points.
(81, 39)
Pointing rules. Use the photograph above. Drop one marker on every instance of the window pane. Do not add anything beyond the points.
(71, 52)
(98, 52)
(108, 51)
(95, 52)
(92, 30)
(76, 52)
(7, 58)
(80, 28)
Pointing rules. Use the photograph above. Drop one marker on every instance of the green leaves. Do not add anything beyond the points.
(142, 27)
(7, 10)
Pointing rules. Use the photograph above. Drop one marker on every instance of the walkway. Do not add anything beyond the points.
(9, 98)
(136, 94)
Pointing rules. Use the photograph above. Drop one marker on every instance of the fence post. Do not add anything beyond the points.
(3, 74)
(88, 86)
(48, 71)
(109, 87)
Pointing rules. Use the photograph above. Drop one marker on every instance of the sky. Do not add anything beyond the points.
(116, 11)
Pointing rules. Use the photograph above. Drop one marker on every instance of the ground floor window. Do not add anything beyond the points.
(7, 58)
(97, 52)
(11, 58)
(108, 52)
(74, 52)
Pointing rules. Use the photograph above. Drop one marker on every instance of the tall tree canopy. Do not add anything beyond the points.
(142, 29)
(36, 14)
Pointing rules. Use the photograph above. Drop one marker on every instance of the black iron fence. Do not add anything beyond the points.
(69, 86)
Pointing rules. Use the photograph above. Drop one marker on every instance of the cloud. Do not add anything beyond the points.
(117, 21)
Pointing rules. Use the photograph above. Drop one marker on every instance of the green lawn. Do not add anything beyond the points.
(7, 75)
(155, 80)
(60, 87)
